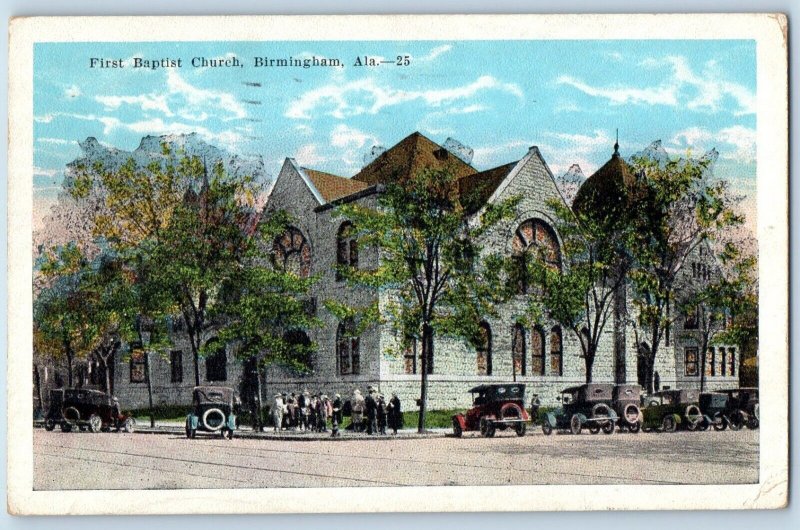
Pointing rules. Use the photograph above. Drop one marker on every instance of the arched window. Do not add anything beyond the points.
(410, 356)
(518, 349)
(292, 253)
(484, 350)
(346, 249)
(216, 362)
(537, 351)
(556, 352)
(348, 357)
(534, 239)
(710, 367)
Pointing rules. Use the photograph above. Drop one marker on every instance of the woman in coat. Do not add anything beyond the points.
(395, 414)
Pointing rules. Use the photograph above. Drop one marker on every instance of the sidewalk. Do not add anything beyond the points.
(174, 427)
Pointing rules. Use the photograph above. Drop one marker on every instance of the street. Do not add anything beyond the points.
(80, 460)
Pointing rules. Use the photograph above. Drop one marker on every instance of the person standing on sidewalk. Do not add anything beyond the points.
(381, 415)
(336, 408)
(371, 408)
(277, 412)
(357, 411)
(395, 415)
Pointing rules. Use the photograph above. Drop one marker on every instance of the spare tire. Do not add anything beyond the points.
(72, 415)
(213, 419)
(631, 413)
(693, 417)
(510, 410)
(601, 409)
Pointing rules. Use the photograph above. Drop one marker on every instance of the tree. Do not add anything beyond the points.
(580, 293)
(682, 207)
(436, 277)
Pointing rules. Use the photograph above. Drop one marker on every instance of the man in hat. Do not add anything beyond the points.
(371, 408)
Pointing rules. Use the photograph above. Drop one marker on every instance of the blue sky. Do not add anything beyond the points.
(498, 97)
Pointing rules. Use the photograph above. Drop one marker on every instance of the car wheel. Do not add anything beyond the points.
(594, 429)
(608, 427)
(230, 434)
(213, 419)
(487, 429)
(95, 423)
(521, 429)
(719, 423)
(668, 424)
(752, 423)
(635, 427)
(49, 425)
(222, 432)
(491, 430)
(756, 411)
(736, 421)
(65, 426)
(457, 430)
(575, 424)
(546, 427)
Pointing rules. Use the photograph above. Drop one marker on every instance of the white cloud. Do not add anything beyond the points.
(45, 172)
(491, 155)
(202, 99)
(365, 96)
(706, 91)
(735, 143)
(156, 126)
(57, 141)
(352, 144)
(469, 109)
(618, 95)
(145, 101)
(72, 92)
(44, 118)
(308, 155)
(435, 52)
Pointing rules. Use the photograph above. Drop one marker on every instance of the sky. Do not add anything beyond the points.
(497, 97)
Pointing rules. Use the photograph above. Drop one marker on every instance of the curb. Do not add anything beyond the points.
(315, 437)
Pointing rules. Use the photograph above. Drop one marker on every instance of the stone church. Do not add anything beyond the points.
(545, 357)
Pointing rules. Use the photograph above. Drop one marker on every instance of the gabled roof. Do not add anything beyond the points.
(333, 187)
(475, 189)
(414, 153)
(610, 189)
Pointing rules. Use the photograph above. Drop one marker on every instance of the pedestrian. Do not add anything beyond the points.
(291, 405)
(313, 413)
(357, 408)
(302, 407)
(324, 413)
(278, 407)
(381, 415)
(336, 408)
(371, 408)
(395, 414)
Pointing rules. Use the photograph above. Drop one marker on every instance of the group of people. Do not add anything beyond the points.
(304, 411)
(312, 412)
(372, 413)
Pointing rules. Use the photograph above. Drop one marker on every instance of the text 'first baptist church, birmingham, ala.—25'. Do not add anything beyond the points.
(545, 357)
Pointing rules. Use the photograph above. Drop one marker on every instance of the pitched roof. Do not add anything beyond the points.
(609, 190)
(333, 187)
(475, 189)
(413, 153)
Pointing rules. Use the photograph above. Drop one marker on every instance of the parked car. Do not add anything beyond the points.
(86, 409)
(668, 409)
(718, 413)
(212, 411)
(588, 405)
(625, 402)
(494, 407)
(744, 400)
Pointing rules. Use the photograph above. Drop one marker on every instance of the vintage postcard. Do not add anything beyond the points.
(397, 263)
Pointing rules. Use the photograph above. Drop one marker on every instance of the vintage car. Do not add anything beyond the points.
(717, 412)
(625, 402)
(668, 409)
(494, 407)
(212, 411)
(588, 405)
(744, 400)
(86, 409)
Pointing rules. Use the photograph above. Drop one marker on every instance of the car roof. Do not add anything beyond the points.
(487, 386)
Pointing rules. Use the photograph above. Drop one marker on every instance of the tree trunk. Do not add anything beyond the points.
(589, 362)
(69, 368)
(38, 381)
(149, 387)
(427, 342)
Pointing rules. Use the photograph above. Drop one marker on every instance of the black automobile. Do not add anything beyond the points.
(745, 401)
(588, 405)
(86, 409)
(212, 411)
(625, 402)
(718, 413)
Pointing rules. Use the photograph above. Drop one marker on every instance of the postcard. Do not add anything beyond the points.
(397, 263)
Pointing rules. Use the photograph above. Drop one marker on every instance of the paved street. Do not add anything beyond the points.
(121, 461)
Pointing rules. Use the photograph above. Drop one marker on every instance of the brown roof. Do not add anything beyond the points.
(609, 190)
(412, 154)
(333, 187)
(476, 189)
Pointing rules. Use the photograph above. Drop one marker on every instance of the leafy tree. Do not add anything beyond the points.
(580, 295)
(436, 277)
(682, 208)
